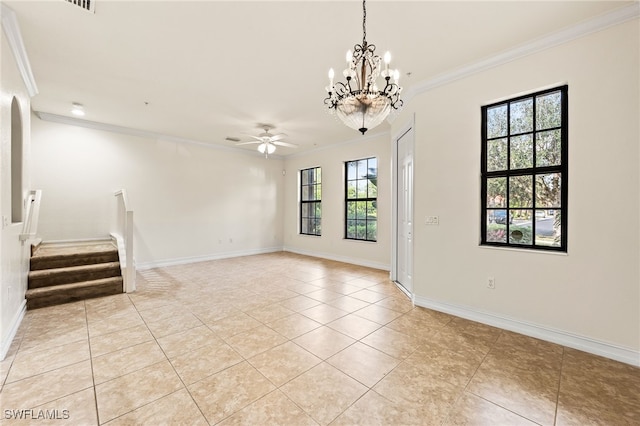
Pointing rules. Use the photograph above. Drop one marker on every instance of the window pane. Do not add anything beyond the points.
(373, 167)
(361, 229)
(305, 193)
(373, 190)
(304, 226)
(351, 210)
(315, 223)
(522, 152)
(521, 119)
(497, 192)
(361, 210)
(548, 148)
(548, 190)
(497, 121)
(305, 177)
(318, 192)
(497, 154)
(521, 191)
(351, 170)
(372, 211)
(362, 189)
(498, 216)
(319, 175)
(351, 189)
(362, 169)
(520, 227)
(496, 226)
(548, 111)
(548, 230)
(372, 232)
(318, 210)
(305, 210)
(351, 228)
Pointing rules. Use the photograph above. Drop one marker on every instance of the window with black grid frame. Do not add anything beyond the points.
(311, 201)
(524, 158)
(361, 199)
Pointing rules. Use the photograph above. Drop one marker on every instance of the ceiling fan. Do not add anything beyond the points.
(267, 141)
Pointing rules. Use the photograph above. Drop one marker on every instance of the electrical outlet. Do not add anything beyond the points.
(491, 283)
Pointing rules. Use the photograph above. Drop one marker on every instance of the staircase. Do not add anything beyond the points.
(62, 273)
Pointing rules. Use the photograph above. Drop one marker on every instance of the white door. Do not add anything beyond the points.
(404, 231)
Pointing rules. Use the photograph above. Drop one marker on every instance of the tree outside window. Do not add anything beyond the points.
(524, 171)
(361, 204)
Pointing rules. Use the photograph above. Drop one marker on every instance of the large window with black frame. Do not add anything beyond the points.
(311, 201)
(361, 204)
(524, 171)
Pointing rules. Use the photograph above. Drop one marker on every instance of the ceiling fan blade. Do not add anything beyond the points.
(247, 143)
(277, 137)
(287, 144)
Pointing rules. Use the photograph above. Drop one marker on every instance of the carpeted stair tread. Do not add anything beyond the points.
(58, 260)
(64, 293)
(70, 274)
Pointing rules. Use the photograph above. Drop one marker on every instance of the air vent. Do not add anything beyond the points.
(232, 139)
(88, 5)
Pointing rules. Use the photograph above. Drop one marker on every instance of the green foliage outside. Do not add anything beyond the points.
(511, 146)
(362, 214)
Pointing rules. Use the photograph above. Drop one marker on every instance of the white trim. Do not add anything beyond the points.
(409, 126)
(72, 121)
(345, 259)
(602, 22)
(15, 324)
(561, 337)
(81, 241)
(205, 258)
(14, 37)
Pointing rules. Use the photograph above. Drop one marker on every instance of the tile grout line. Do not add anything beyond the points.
(555, 414)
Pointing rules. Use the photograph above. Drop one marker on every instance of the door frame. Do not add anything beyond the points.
(409, 126)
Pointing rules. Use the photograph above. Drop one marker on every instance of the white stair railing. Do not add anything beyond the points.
(30, 224)
(123, 234)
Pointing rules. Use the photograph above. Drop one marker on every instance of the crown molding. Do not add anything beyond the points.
(585, 28)
(14, 37)
(72, 121)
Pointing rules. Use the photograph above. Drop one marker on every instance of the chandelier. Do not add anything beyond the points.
(359, 102)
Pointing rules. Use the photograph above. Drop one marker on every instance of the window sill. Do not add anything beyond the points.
(524, 250)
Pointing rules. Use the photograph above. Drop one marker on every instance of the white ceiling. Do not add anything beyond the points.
(212, 69)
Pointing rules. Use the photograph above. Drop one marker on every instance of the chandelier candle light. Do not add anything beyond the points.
(359, 103)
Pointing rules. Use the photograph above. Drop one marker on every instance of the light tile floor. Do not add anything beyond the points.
(294, 340)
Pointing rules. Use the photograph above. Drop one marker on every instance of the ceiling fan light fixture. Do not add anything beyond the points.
(359, 102)
(266, 148)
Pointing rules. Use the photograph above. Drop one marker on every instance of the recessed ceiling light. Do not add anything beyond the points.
(77, 109)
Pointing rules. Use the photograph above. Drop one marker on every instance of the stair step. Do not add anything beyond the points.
(56, 276)
(48, 261)
(65, 293)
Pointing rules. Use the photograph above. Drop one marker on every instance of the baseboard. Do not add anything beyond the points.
(345, 259)
(564, 338)
(217, 256)
(15, 324)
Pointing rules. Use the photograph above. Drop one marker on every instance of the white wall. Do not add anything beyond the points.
(14, 259)
(592, 292)
(191, 202)
(332, 243)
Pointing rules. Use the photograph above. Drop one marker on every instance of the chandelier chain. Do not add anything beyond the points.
(364, 23)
